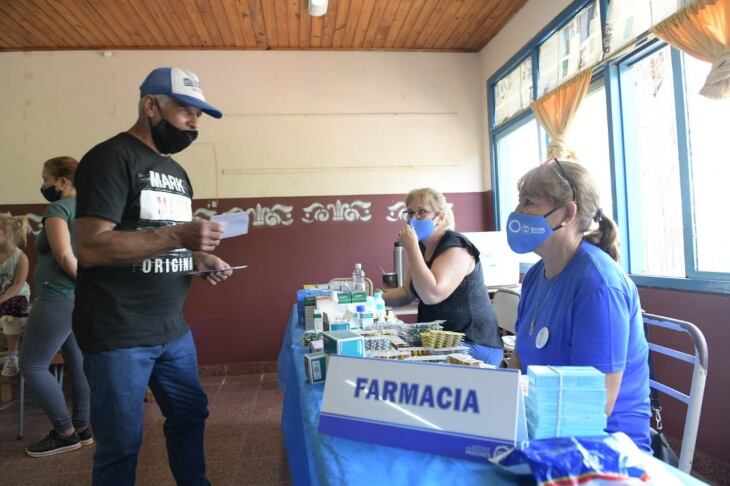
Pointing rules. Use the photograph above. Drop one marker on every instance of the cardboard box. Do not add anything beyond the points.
(345, 343)
(339, 326)
(315, 366)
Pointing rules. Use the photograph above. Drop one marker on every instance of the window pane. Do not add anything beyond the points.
(517, 152)
(627, 20)
(652, 168)
(709, 146)
(589, 139)
(513, 92)
(572, 48)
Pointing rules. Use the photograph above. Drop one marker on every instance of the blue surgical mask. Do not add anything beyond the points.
(423, 227)
(526, 232)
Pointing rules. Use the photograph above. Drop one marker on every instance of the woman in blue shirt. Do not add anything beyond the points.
(578, 307)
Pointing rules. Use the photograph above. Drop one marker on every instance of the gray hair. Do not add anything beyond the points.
(162, 100)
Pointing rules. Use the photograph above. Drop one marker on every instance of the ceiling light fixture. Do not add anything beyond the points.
(317, 8)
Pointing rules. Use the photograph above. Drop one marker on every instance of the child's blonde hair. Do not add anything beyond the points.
(18, 226)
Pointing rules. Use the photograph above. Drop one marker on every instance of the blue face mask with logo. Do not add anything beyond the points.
(423, 227)
(526, 232)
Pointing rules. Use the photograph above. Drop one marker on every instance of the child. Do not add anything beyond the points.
(14, 290)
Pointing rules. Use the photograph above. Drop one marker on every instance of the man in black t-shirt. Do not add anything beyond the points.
(137, 245)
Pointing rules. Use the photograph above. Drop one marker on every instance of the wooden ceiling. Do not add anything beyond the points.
(443, 25)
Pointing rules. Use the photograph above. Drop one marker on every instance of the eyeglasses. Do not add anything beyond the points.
(409, 214)
(562, 174)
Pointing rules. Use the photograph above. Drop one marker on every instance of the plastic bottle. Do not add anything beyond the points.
(358, 278)
(379, 305)
(365, 317)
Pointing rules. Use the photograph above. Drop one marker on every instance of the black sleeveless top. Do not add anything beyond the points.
(468, 308)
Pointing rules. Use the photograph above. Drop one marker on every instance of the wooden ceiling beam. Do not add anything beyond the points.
(386, 22)
(396, 26)
(258, 23)
(418, 24)
(343, 12)
(10, 15)
(353, 19)
(329, 21)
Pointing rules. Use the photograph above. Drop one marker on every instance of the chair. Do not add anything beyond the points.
(697, 386)
(57, 370)
(505, 303)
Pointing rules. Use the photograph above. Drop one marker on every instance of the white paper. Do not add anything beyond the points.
(234, 224)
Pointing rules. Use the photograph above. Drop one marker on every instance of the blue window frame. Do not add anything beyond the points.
(693, 259)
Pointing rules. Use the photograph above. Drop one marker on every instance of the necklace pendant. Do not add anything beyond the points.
(531, 329)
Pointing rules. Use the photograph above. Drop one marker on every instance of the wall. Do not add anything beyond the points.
(708, 312)
(297, 123)
(317, 146)
(336, 126)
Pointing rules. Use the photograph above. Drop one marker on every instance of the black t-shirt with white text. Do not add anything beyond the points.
(138, 304)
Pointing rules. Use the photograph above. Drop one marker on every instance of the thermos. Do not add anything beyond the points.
(398, 262)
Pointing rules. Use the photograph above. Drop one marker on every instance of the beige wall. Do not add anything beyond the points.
(511, 39)
(297, 123)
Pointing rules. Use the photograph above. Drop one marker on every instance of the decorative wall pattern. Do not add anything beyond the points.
(35, 222)
(283, 214)
(337, 211)
(394, 211)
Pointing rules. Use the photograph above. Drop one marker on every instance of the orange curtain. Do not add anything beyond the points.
(703, 31)
(556, 110)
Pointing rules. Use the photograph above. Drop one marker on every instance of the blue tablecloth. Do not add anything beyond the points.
(320, 459)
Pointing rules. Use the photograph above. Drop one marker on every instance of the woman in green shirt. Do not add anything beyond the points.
(49, 324)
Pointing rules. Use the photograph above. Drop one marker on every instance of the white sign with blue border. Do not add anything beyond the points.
(470, 413)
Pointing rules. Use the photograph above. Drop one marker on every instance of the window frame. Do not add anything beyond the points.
(611, 72)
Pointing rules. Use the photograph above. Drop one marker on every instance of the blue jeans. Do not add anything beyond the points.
(489, 355)
(118, 380)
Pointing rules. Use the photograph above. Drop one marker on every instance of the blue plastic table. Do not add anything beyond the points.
(315, 458)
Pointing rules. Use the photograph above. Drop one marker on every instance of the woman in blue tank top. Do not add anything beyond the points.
(578, 307)
(445, 275)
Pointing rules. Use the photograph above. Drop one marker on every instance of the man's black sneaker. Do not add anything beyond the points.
(85, 436)
(54, 444)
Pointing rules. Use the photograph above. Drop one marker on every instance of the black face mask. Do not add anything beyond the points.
(169, 139)
(51, 193)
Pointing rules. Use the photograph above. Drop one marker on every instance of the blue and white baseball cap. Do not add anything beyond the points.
(179, 84)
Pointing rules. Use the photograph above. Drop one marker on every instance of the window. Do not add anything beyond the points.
(513, 93)
(709, 147)
(655, 147)
(518, 151)
(574, 47)
(589, 138)
(656, 242)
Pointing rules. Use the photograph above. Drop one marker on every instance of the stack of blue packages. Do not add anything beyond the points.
(565, 401)
(302, 295)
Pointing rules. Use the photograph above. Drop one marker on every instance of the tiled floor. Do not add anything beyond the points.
(243, 441)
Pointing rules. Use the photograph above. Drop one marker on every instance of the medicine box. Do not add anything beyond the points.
(345, 343)
(567, 376)
(339, 326)
(316, 367)
(316, 346)
(359, 297)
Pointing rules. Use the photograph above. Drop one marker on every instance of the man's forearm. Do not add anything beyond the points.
(119, 247)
